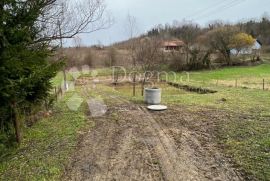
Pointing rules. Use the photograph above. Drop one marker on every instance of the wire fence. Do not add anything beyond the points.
(260, 84)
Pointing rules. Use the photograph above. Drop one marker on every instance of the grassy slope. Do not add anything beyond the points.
(260, 71)
(46, 146)
(251, 77)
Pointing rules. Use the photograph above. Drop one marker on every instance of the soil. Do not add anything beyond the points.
(131, 143)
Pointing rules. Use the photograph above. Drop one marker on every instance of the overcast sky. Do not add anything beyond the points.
(149, 13)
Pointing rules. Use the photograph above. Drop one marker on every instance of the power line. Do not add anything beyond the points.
(215, 9)
(220, 9)
(200, 11)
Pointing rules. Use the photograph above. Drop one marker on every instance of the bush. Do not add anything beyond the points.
(88, 59)
(177, 61)
(111, 59)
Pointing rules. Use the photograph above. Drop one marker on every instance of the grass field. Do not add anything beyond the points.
(46, 146)
(246, 138)
(260, 71)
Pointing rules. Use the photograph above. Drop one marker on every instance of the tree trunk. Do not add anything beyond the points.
(228, 56)
(187, 55)
(61, 45)
(65, 79)
(16, 123)
(134, 84)
(115, 78)
(143, 83)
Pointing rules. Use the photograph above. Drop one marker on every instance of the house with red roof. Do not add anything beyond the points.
(173, 45)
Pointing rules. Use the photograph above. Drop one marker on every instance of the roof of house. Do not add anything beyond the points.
(174, 43)
(259, 42)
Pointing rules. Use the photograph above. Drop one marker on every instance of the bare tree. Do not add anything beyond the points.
(73, 18)
(188, 32)
(65, 19)
(111, 57)
(132, 30)
(77, 42)
(149, 57)
(132, 26)
(148, 54)
(220, 40)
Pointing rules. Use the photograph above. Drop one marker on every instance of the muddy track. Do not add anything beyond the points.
(130, 143)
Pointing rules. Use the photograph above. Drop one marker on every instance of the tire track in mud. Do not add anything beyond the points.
(174, 167)
(199, 155)
(135, 146)
(84, 164)
(162, 145)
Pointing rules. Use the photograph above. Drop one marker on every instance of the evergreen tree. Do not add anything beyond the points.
(25, 71)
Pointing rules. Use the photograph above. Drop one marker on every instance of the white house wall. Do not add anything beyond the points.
(247, 51)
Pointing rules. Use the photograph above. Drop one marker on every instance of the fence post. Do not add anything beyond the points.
(61, 91)
(263, 84)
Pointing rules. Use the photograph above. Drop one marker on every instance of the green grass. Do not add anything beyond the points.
(99, 72)
(58, 80)
(237, 99)
(46, 146)
(229, 73)
(246, 140)
(49, 143)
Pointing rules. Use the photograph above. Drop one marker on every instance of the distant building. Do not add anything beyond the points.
(174, 45)
(254, 49)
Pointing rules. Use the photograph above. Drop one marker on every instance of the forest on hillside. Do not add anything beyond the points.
(187, 31)
(204, 47)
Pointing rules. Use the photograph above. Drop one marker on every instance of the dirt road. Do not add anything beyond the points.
(130, 143)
